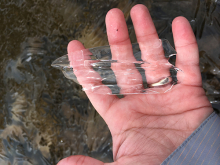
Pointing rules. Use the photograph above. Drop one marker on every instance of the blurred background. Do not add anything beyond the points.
(45, 117)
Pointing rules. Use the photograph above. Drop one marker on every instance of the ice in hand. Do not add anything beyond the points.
(106, 70)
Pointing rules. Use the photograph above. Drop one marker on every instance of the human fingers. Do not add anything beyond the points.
(127, 76)
(187, 58)
(88, 78)
(80, 160)
(150, 45)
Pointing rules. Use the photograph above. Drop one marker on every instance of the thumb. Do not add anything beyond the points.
(80, 160)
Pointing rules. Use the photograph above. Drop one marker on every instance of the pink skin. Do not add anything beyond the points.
(146, 129)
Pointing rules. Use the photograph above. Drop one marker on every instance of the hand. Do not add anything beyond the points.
(147, 128)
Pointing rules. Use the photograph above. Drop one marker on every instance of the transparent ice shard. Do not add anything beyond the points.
(152, 70)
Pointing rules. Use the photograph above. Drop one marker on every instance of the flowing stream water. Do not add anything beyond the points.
(45, 117)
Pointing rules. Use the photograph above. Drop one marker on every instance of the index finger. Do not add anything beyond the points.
(101, 102)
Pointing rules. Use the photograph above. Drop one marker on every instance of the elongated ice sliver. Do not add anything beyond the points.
(99, 60)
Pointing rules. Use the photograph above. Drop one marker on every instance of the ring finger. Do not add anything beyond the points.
(150, 45)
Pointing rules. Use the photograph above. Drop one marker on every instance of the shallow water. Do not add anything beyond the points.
(46, 117)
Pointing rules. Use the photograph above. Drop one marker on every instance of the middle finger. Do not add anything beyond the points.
(128, 77)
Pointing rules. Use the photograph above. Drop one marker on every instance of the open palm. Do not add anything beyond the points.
(149, 127)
